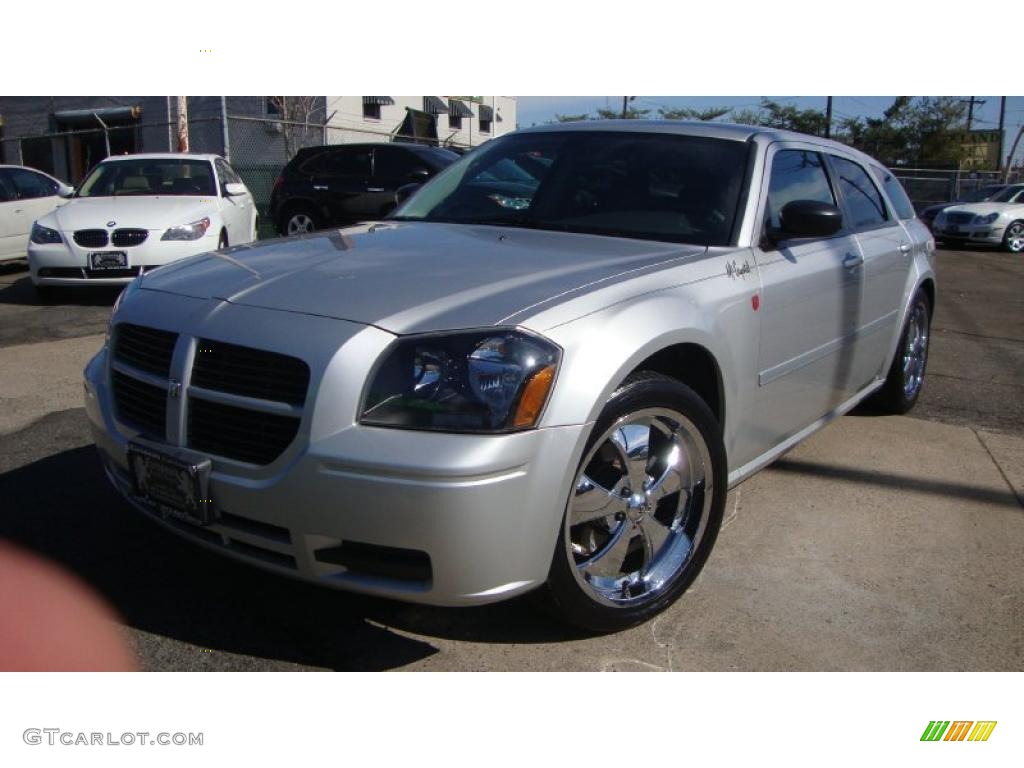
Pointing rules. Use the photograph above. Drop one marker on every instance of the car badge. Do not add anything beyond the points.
(173, 388)
(111, 223)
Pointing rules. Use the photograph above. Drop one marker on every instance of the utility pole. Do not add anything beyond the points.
(1002, 123)
(970, 109)
(828, 118)
(625, 105)
(183, 123)
(1009, 157)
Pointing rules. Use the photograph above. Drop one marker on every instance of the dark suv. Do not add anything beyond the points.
(348, 183)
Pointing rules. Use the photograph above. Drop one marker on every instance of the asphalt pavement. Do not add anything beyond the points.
(881, 543)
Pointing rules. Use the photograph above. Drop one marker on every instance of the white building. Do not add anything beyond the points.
(460, 121)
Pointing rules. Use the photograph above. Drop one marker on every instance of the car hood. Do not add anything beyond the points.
(414, 277)
(135, 212)
(983, 209)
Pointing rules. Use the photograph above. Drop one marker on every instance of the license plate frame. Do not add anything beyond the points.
(177, 487)
(104, 260)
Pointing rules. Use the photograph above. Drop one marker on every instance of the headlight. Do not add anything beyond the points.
(979, 219)
(481, 381)
(192, 231)
(44, 235)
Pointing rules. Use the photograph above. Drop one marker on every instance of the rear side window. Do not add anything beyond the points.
(6, 188)
(796, 175)
(895, 192)
(29, 185)
(863, 200)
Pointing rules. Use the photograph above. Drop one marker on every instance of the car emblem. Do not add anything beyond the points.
(173, 388)
(111, 223)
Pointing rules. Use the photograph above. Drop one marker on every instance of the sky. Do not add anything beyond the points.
(536, 110)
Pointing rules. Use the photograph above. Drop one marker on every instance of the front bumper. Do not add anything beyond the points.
(481, 512)
(66, 264)
(991, 234)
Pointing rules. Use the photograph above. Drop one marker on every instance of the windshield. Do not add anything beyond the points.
(162, 176)
(981, 194)
(1007, 195)
(626, 184)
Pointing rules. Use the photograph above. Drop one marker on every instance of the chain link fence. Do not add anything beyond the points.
(927, 186)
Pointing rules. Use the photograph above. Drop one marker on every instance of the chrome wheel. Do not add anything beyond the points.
(1014, 237)
(915, 350)
(640, 507)
(300, 224)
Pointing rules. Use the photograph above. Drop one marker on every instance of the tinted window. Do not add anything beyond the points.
(348, 162)
(395, 163)
(154, 176)
(863, 200)
(28, 184)
(893, 188)
(796, 175)
(6, 188)
(1009, 195)
(622, 184)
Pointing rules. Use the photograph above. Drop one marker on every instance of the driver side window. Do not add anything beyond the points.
(796, 175)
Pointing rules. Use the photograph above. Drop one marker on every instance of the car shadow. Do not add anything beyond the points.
(21, 292)
(170, 587)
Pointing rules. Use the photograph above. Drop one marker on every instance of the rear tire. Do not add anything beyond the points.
(300, 220)
(645, 508)
(222, 243)
(906, 374)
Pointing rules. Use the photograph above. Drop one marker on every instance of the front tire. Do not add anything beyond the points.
(1013, 238)
(645, 508)
(906, 374)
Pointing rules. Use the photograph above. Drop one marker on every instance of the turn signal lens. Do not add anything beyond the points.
(534, 397)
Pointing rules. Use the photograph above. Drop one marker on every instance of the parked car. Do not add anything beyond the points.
(998, 221)
(543, 372)
(927, 215)
(348, 183)
(133, 213)
(25, 195)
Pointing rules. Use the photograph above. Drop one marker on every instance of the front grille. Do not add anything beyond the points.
(126, 238)
(104, 274)
(959, 218)
(91, 238)
(147, 349)
(250, 372)
(141, 405)
(239, 433)
(75, 272)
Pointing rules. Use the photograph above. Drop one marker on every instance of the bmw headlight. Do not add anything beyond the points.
(44, 235)
(979, 219)
(192, 231)
(481, 381)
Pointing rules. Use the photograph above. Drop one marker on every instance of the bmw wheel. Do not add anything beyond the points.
(645, 508)
(1013, 239)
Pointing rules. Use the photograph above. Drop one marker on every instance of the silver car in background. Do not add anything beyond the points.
(545, 371)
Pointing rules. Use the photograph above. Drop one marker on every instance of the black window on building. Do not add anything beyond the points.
(456, 111)
(486, 118)
(372, 105)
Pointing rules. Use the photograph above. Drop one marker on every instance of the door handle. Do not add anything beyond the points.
(375, 189)
(853, 260)
(904, 248)
(320, 187)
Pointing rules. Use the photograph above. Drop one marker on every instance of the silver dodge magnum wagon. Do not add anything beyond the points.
(543, 372)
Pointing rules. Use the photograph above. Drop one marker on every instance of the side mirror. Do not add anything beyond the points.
(419, 175)
(65, 191)
(232, 189)
(405, 191)
(808, 218)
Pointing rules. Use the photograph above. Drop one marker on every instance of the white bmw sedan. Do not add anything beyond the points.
(137, 212)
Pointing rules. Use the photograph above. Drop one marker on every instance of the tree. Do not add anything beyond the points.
(925, 131)
(688, 113)
(571, 118)
(296, 116)
(632, 113)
